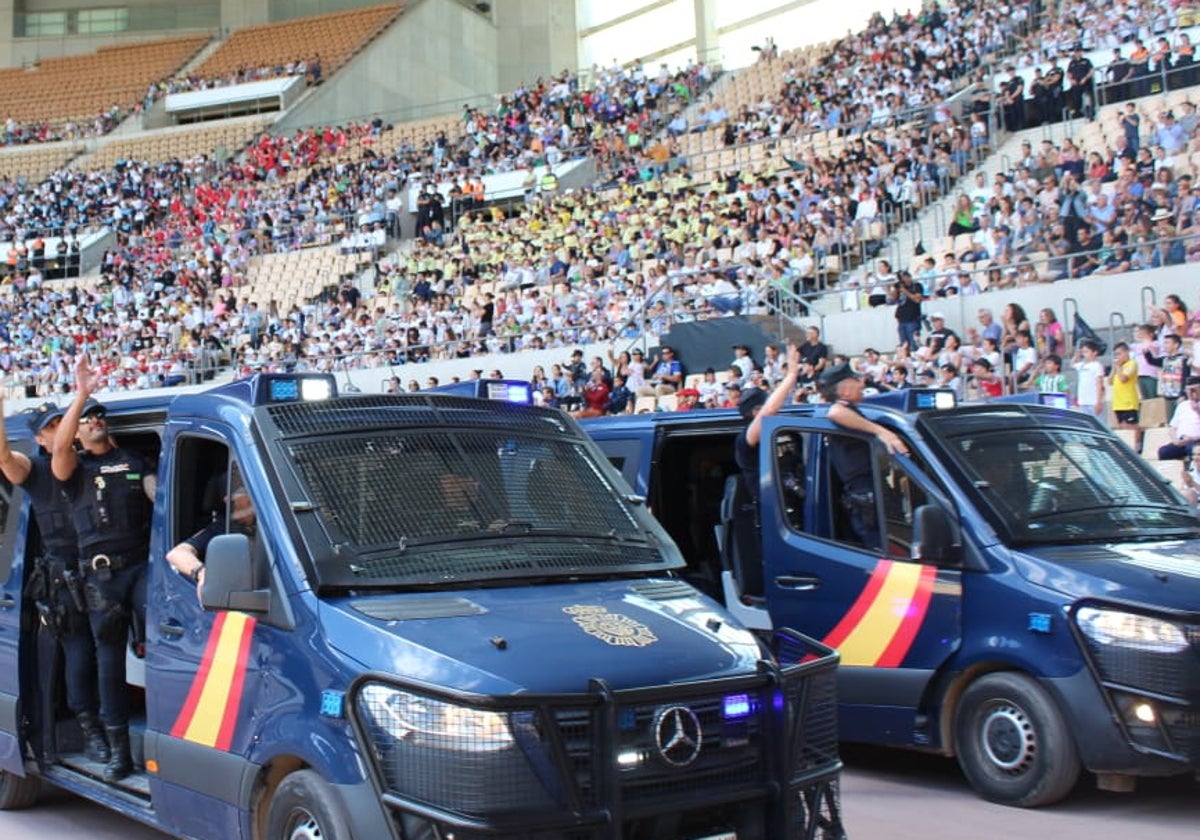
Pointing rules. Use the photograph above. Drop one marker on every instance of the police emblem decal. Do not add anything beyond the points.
(677, 735)
(611, 628)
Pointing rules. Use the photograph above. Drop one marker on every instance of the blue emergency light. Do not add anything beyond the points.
(277, 388)
(516, 391)
(910, 400)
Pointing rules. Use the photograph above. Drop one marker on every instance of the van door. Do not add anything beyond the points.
(895, 619)
(203, 668)
(12, 566)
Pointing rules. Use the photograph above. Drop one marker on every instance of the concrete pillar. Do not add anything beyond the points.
(708, 47)
(7, 10)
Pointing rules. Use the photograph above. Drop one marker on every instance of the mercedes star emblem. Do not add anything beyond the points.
(677, 735)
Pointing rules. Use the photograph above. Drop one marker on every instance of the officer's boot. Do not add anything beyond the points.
(120, 763)
(95, 745)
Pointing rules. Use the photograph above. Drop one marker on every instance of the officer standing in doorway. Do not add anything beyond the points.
(110, 491)
(55, 585)
(851, 456)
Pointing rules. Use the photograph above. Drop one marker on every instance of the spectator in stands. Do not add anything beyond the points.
(1049, 378)
(1124, 387)
(1190, 479)
(1185, 425)
(1089, 385)
(909, 295)
(666, 374)
(1173, 365)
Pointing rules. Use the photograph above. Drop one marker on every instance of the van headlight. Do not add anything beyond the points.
(414, 718)
(1123, 629)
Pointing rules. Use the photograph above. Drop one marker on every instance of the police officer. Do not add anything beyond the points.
(55, 585)
(754, 405)
(187, 558)
(851, 455)
(109, 490)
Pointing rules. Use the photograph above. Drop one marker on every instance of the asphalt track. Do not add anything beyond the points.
(886, 794)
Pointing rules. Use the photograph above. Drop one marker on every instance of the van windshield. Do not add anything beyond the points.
(1056, 485)
(423, 505)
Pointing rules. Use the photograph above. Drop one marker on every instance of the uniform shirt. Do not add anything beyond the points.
(51, 510)
(851, 459)
(109, 505)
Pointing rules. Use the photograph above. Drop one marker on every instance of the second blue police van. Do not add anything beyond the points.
(1034, 611)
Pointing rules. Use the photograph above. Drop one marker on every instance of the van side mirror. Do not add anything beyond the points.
(933, 536)
(229, 577)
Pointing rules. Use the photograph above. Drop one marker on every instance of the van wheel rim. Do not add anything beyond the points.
(304, 826)
(1009, 739)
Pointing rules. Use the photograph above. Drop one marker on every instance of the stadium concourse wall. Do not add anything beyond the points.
(437, 57)
(1111, 300)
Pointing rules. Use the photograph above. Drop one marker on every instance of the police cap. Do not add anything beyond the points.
(41, 416)
(752, 398)
(830, 378)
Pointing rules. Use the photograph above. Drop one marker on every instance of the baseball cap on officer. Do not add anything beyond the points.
(41, 416)
(830, 378)
(93, 408)
(752, 398)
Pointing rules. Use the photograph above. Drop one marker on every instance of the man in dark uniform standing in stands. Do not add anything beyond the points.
(110, 492)
(850, 456)
(55, 585)
(1079, 75)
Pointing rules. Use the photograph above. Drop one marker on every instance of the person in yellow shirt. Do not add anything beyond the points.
(1125, 398)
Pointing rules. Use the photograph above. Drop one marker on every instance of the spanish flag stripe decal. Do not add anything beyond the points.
(189, 706)
(892, 590)
(234, 703)
(915, 615)
(850, 620)
(210, 713)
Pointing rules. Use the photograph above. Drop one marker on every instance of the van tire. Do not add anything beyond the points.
(306, 807)
(1012, 742)
(17, 792)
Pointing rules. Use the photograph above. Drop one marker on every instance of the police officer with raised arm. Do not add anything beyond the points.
(110, 491)
(55, 585)
(851, 456)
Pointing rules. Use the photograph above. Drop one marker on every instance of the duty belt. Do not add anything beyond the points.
(111, 562)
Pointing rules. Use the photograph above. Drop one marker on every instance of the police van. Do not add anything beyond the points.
(1034, 610)
(450, 618)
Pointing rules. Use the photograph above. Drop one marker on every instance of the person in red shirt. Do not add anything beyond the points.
(595, 396)
(686, 399)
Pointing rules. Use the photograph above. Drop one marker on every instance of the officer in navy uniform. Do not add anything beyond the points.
(110, 492)
(850, 456)
(754, 405)
(55, 585)
(187, 558)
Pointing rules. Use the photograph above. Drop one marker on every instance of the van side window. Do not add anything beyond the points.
(901, 496)
(790, 476)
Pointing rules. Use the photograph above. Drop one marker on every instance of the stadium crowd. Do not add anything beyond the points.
(579, 267)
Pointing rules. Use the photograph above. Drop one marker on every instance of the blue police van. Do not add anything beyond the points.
(449, 618)
(1034, 609)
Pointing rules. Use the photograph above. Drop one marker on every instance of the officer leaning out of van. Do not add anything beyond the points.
(754, 405)
(187, 558)
(110, 490)
(55, 585)
(851, 456)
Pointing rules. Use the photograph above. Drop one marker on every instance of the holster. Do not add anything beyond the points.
(862, 504)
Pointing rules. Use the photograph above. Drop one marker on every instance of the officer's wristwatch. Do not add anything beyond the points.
(194, 574)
